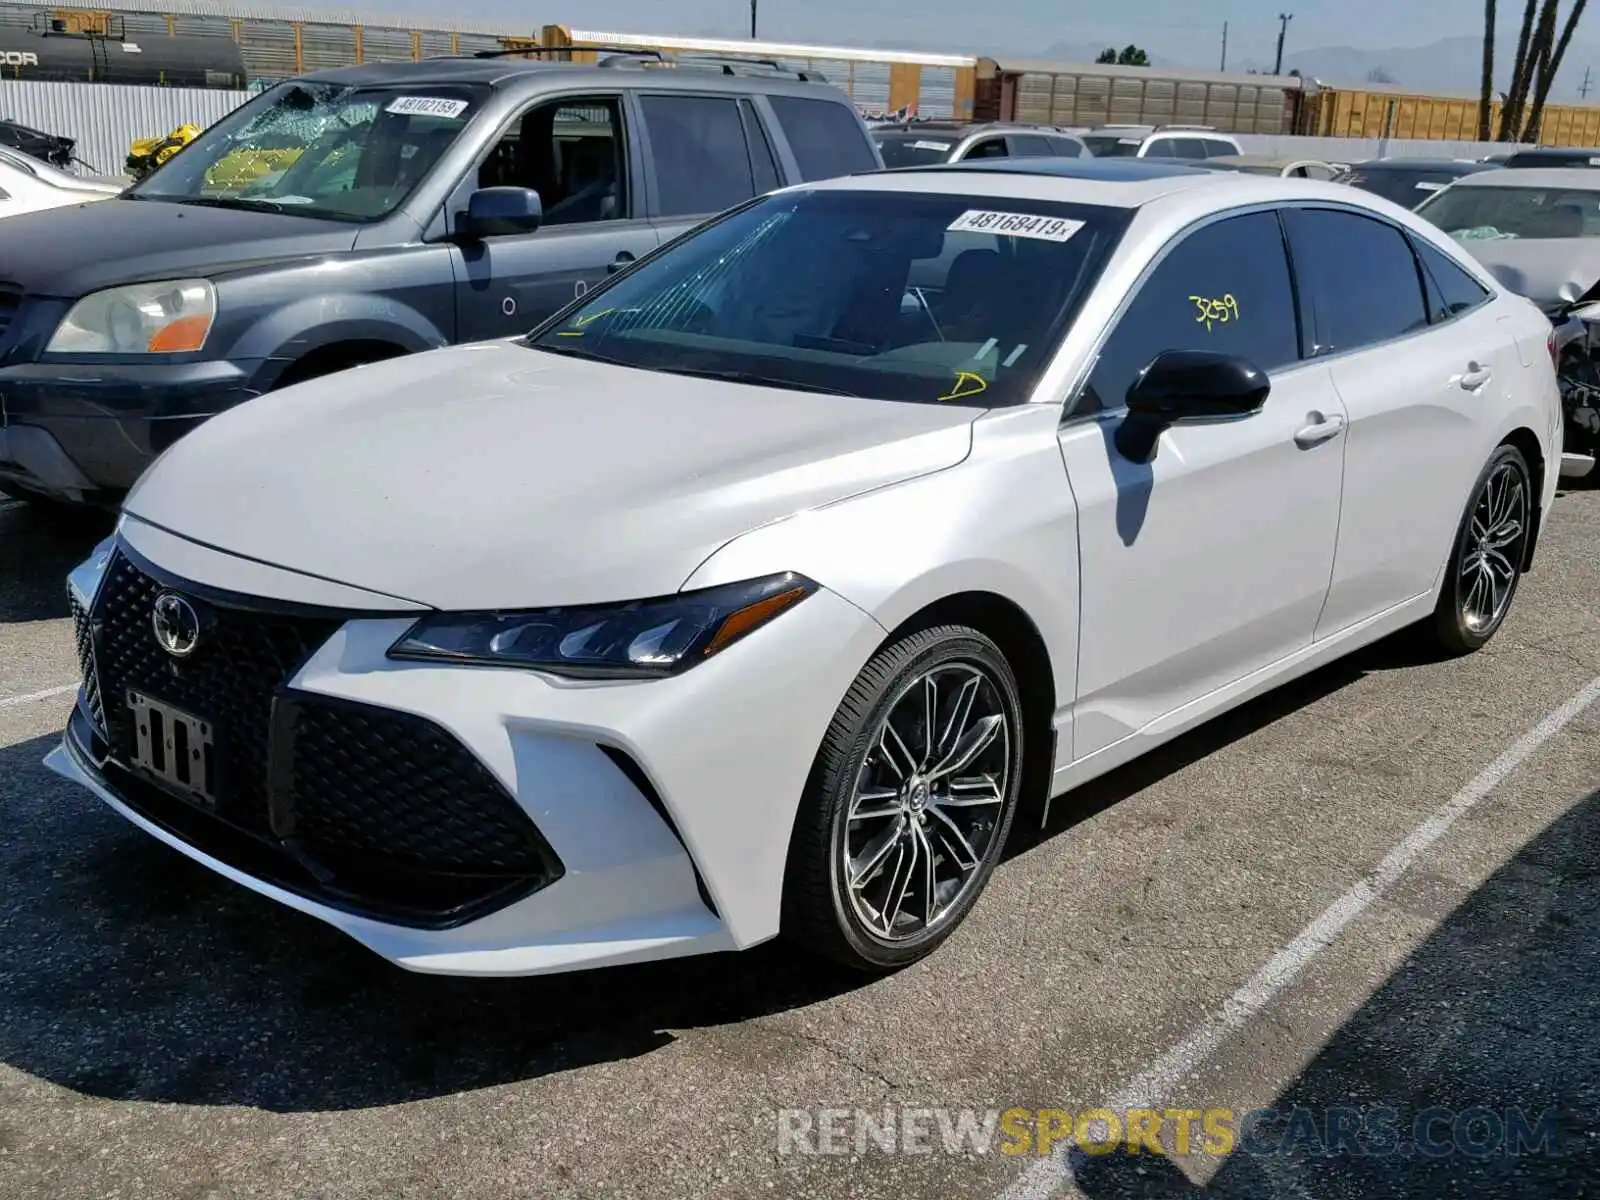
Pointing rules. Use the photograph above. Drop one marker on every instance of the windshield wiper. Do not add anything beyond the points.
(239, 202)
(755, 379)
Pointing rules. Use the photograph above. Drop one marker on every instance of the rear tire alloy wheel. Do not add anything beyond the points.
(1490, 548)
(910, 801)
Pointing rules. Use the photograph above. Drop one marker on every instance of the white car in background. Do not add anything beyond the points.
(762, 587)
(28, 185)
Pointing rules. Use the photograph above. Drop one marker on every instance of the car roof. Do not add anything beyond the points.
(509, 72)
(1422, 164)
(1581, 179)
(1114, 182)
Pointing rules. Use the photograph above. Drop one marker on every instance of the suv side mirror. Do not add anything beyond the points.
(1187, 385)
(493, 211)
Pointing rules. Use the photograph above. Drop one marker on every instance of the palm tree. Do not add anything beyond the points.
(1486, 95)
(1550, 63)
(1511, 111)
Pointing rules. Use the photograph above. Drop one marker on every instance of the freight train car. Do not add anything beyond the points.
(1044, 93)
(879, 81)
(48, 52)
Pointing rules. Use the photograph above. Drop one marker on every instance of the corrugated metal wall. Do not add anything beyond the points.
(105, 117)
(1084, 98)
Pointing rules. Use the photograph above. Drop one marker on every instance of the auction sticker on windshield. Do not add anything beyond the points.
(930, 145)
(426, 106)
(1051, 229)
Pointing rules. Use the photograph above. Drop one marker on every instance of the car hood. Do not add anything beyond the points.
(496, 476)
(1538, 267)
(71, 251)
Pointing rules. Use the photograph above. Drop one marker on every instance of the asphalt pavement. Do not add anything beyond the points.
(1373, 892)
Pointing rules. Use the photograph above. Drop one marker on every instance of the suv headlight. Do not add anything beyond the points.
(643, 639)
(172, 317)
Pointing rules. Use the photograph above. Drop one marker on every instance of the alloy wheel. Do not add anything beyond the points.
(1492, 554)
(927, 801)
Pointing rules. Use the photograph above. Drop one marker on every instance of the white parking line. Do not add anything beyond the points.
(14, 701)
(1156, 1081)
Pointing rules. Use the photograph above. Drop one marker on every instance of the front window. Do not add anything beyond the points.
(913, 150)
(1479, 213)
(320, 150)
(884, 295)
(1110, 146)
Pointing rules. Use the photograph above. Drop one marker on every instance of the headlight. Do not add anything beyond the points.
(640, 640)
(147, 318)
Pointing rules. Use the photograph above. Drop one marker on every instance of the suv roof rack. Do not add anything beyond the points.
(1192, 128)
(725, 64)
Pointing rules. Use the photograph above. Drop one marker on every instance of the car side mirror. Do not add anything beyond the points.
(1186, 386)
(495, 211)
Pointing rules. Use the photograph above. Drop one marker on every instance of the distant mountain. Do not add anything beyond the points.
(1449, 65)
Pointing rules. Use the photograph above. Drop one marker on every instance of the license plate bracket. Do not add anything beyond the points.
(175, 747)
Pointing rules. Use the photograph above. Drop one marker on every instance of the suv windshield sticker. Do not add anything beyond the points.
(427, 106)
(930, 145)
(1050, 229)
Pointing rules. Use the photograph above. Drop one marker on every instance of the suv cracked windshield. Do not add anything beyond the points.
(892, 296)
(1490, 213)
(319, 149)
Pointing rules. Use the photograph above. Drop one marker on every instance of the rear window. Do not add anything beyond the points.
(1111, 146)
(1405, 187)
(913, 149)
(828, 139)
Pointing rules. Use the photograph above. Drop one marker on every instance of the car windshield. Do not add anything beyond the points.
(1106, 145)
(1406, 187)
(319, 150)
(888, 295)
(1478, 213)
(913, 149)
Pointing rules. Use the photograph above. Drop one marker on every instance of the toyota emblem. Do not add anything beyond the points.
(176, 623)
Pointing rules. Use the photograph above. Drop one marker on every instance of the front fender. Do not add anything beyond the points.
(1001, 522)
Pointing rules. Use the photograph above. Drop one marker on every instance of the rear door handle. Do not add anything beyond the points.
(622, 259)
(1319, 430)
(1474, 377)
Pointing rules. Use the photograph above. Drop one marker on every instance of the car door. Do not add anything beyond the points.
(1414, 390)
(1212, 560)
(706, 153)
(575, 152)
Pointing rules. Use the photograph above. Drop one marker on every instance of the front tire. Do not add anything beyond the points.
(909, 802)
(1486, 560)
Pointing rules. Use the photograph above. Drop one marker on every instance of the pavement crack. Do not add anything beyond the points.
(843, 1058)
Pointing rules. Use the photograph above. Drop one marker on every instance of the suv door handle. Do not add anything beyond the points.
(1319, 430)
(622, 259)
(1474, 377)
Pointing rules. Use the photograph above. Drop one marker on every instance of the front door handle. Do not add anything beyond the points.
(1474, 377)
(1318, 429)
(622, 259)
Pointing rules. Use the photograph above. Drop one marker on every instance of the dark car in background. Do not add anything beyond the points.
(1553, 156)
(1410, 181)
(363, 213)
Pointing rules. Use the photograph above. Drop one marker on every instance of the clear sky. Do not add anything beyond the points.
(1183, 31)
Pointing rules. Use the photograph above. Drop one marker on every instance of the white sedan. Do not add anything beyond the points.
(758, 591)
(27, 185)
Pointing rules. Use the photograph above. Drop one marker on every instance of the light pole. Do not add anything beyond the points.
(1283, 28)
(752, 20)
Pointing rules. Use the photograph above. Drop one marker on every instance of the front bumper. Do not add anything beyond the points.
(80, 432)
(667, 805)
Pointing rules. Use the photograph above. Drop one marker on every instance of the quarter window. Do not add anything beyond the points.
(1451, 289)
(1028, 146)
(698, 147)
(1362, 277)
(1224, 287)
(827, 137)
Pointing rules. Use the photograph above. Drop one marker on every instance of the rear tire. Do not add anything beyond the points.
(1487, 557)
(909, 803)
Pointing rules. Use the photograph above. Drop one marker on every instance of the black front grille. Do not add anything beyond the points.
(91, 678)
(362, 808)
(244, 657)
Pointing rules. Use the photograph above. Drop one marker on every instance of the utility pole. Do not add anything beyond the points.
(752, 20)
(1224, 66)
(1283, 28)
(1583, 88)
